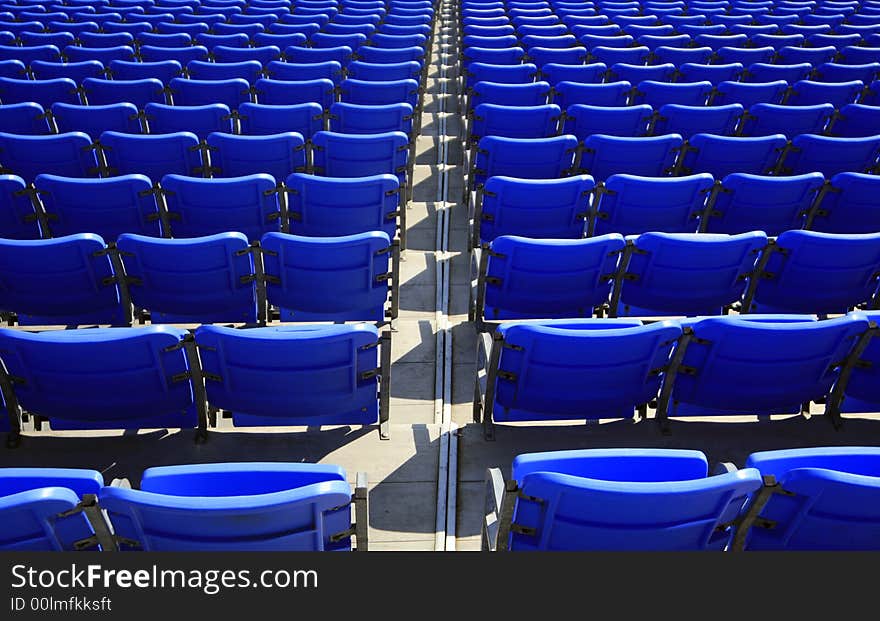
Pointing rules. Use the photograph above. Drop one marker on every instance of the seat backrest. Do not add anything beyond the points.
(531, 94)
(153, 155)
(359, 155)
(515, 121)
(94, 120)
(42, 92)
(809, 93)
(555, 73)
(23, 118)
(756, 202)
(544, 278)
(278, 155)
(77, 72)
(17, 216)
(265, 119)
(658, 94)
(830, 155)
(631, 204)
(851, 206)
(199, 207)
(107, 207)
(69, 154)
(200, 120)
(580, 369)
(162, 70)
(507, 74)
(723, 155)
(191, 280)
(35, 519)
(832, 499)
(689, 120)
(749, 94)
(293, 375)
(687, 273)
(762, 367)
(233, 507)
(329, 70)
(767, 72)
(286, 92)
(190, 92)
(615, 509)
(126, 378)
(526, 158)
(820, 273)
(328, 278)
(349, 118)
(583, 121)
(856, 120)
(605, 155)
(249, 70)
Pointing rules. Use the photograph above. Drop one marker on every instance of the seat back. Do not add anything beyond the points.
(286, 92)
(23, 118)
(17, 217)
(583, 120)
(126, 378)
(580, 369)
(851, 205)
(768, 119)
(192, 280)
(249, 70)
(328, 278)
(190, 92)
(831, 156)
(749, 94)
(360, 155)
(690, 120)
(526, 158)
(42, 92)
(278, 155)
(544, 278)
(839, 94)
(819, 273)
(69, 154)
(761, 367)
(721, 155)
(605, 155)
(632, 204)
(687, 274)
(154, 155)
(348, 118)
(94, 120)
(658, 94)
(832, 500)
(233, 507)
(138, 92)
(515, 121)
(293, 375)
(265, 119)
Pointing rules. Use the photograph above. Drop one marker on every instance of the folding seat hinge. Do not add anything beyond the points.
(212, 377)
(368, 346)
(247, 279)
(487, 217)
(337, 537)
(687, 370)
(383, 277)
(154, 191)
(272, 280)
(765, 523)
(528, 498)
(379, 253)
(181, 377)
(392, 192)
(507, 375)
(494, 280)
(523, 530)
(370, 374)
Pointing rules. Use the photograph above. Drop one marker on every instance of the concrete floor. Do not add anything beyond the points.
(426, 482)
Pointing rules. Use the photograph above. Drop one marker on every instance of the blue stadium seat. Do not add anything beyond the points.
(766, 72)
(278, 155)
(514, 121)
(850, 205)
(42, 92)
(830, 155)
(100, 92)
(686, 274)
(717, 41)
(93, 120)
(263, 119)
(106, 207)
(183, 55)
(17, 217)
(360, 155)
(605, 155)
(813, 55)
(838, 94)
(821, 273)
(723, 155)
(604, 373)
(770, 366)
(335, 206)
(200, 120)
(858, 55)
(669, 41)
(584, 499)
(43, 509)
(70, 154)
(278, 387)
(263, 54)
(17, 69)
(777, 41)
(328, 278)
(162, 70)
(348, 118)
(767, 119)
(630, 204)
(524, 278)
(555, 73)
(200, 207)
(681, 55)
(289, 92)
(689, 120)
(834, 72)
(154, 155)
(104, 55)
(329, 70)
(658, 94)
(526, 158)
(64, 281)
(749, 95)
(249, 70)
(583, 120)
(234, 507)
(77, 72)
(96, 39)
(536, 208)
(189, 92)
(29, 54)
(193, 280)
(127, 378)
(758, 203)
(386, 55)
(822, 498)
(693, 72)
(179, 39)
(623, 72)
(567, 93)
(492, 55)
(379, 72)
(23, 118)
(591, 41)
(856, 120)
(370, 93)
(300, 54)
(613, 55)
(541, 56)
